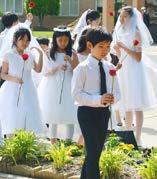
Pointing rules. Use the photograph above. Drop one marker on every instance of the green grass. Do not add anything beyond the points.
(46, 34)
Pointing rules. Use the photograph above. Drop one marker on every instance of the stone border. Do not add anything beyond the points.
(37, 172)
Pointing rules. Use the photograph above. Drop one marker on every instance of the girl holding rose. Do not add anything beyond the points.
(18, 97)
(129, 37)
(55, 88)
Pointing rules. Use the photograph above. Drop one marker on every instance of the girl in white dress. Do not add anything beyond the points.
(82, 50)
(90, 18)
(55, 88)
(130, 36)
(18, 97)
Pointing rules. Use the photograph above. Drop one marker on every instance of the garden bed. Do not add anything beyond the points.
(25, 154)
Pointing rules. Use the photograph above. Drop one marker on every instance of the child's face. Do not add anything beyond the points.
(124, 17)
(22, 43)
(62, 42)
(44, 47)
(96, 22)
(100, 50)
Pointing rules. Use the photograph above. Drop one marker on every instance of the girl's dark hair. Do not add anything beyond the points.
(56, 34)
(97, 35)
(129, 10)
(8, 19)
(19, 34)
(44, 41)
(82, 42)
(92, 15)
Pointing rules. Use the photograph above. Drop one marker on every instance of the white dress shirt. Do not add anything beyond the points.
(86, 83)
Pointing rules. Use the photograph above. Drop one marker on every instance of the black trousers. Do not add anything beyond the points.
(93, 123)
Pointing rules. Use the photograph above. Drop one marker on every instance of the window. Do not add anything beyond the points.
(69, 8)
(99, 5)
(12, 6)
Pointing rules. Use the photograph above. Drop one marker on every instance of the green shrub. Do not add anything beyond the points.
(112, 163)
(149, 168)
(1, 14)
(21, 148)
(112, 142)
(59, 155)
(74, 151)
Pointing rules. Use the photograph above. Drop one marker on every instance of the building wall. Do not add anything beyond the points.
(52, 21)
(87, 4)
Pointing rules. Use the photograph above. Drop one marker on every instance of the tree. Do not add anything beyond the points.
(41, 8)
(1, 14)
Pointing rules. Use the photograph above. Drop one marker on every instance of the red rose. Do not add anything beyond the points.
(136, 42)
(112, 72)
(25, 56)
(31, 5)
(110, 13)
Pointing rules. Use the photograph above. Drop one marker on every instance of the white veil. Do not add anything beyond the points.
(81, 24)
(134, 23)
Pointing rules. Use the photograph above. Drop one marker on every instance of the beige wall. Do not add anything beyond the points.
(128, 2)
(87, 4)
(138, 3)
(52, 21)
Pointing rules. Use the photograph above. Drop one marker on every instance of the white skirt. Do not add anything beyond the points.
(24, 116)
(49, 92)
(136, 88)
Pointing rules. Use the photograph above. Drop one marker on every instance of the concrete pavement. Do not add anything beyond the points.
(149, 131)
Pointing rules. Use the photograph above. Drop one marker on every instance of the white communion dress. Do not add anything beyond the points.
(55, 111)
(137, 90)
(26, 115)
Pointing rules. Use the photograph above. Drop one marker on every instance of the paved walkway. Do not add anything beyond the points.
(4, 176)
(149, 132)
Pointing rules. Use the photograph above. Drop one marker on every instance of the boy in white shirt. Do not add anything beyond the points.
(91, 91)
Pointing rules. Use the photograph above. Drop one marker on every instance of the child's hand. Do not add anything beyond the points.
(30, 17)
(119, 66)
(18, 80)
(107, 98)
(63, 67)
(49, 72)
(67, 58)
(117, 49)
(121, 45)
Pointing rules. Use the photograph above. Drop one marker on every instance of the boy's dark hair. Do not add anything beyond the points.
(82, 41)
(8, 19)
(92, 15)
(44, 41)
(97, 35)
(20, 33)
(57, 34)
